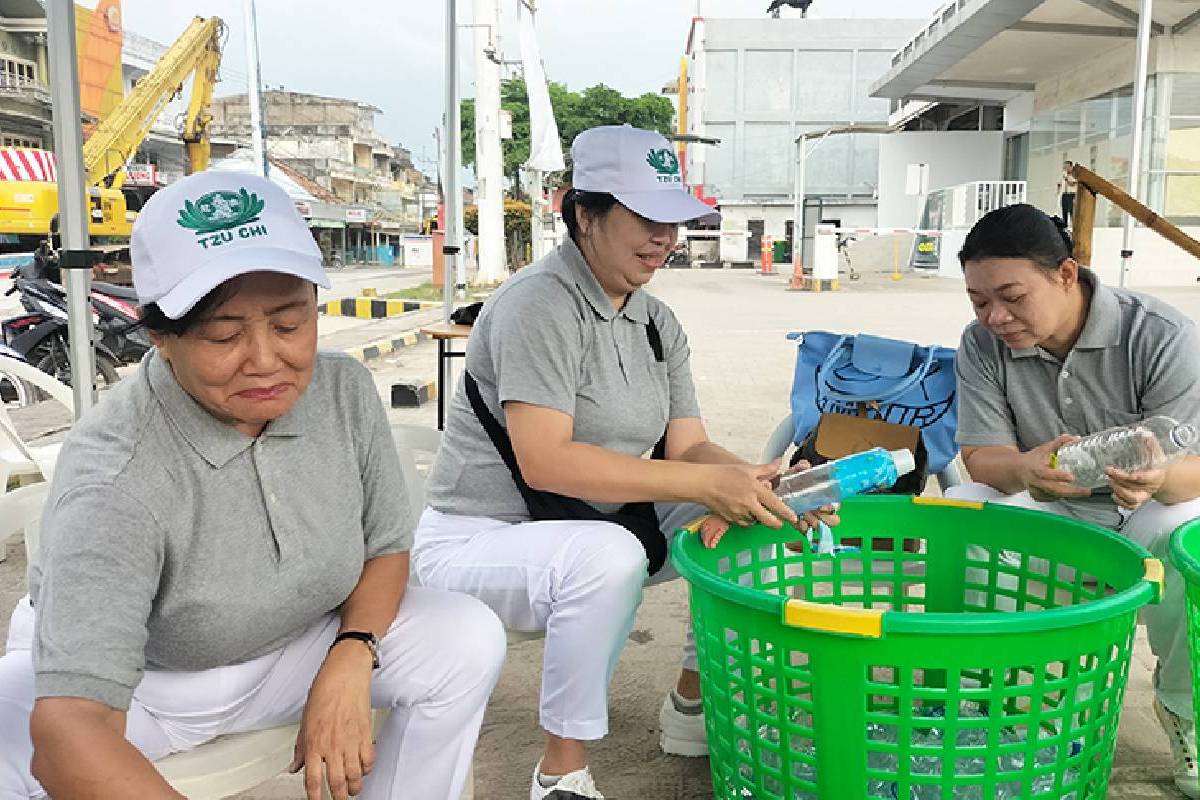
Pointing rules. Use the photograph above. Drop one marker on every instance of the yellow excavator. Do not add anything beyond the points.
(29, 208)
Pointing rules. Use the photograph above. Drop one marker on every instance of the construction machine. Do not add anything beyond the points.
(28, 192)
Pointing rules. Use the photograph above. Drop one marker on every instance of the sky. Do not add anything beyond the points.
(390, 52)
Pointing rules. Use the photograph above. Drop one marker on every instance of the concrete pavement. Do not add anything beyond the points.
(736, 321)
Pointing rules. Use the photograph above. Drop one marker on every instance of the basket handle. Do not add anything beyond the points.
(866, 622)
(1157, 575)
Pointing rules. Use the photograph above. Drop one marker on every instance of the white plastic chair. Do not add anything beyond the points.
(16, 456)
(21, 512)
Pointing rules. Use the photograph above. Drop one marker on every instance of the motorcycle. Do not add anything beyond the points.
(41, 336)
(115, 307)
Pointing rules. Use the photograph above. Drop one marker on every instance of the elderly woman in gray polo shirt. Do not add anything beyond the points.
(1055, 354)
(225, 544)
(573, 373)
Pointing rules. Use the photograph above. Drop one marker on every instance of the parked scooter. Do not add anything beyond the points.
(115, 306)
(40, 335)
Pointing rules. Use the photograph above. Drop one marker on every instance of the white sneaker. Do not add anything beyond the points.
(682, 727)
(577, 785)
(1182, 734)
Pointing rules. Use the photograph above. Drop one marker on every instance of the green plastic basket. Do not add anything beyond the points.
(990, 664)
(1185, 556)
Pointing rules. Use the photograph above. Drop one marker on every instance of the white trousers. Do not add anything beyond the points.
(579, 581)
(1166, 623)
(439, 661)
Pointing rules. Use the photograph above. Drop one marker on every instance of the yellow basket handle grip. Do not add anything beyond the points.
(1156, 574)
(866, 622)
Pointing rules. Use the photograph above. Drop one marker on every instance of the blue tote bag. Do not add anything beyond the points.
(901, 382)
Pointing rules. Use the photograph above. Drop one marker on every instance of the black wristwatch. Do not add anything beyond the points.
(366, 637)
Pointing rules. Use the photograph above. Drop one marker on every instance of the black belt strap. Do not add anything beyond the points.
(638, 518)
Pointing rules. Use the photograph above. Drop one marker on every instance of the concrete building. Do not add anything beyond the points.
(1061, 73)
(333, 142)
(25, 119)
(330, 139)
(756, 85)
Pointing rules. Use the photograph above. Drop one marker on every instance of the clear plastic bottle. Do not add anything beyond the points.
(833, 481)
(1149, 444)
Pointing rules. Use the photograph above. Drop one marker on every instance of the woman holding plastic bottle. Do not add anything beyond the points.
(1054, 355)
(540, 503)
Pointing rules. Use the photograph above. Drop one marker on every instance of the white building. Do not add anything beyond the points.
(1062, 73)
(758, 84)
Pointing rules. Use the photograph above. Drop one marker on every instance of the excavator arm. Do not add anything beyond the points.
(118, 137)
(195, 125)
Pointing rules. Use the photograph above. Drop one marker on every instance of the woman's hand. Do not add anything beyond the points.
(713, 528)
(1043, 482)
(335, 734)
(1131, 490)
(742, 495)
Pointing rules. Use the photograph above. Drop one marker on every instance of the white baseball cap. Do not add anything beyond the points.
(201, 231)
(640, 169)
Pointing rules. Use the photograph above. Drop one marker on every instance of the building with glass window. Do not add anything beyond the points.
(758, 84)
(1062, 73)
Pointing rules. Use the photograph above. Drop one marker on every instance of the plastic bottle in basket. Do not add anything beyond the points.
(1149, 444)
(833, 481)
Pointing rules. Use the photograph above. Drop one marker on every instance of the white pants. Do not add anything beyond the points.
(1166, 623)
(579, 581)
(435, 683)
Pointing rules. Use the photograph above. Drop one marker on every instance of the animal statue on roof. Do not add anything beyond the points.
(803, 5)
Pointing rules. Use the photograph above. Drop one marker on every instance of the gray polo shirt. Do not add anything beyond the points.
(1136, 357)
(173, 542)
(551, 337)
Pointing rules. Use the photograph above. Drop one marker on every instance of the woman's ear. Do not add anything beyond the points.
(582, 221)
(1068, 272)
(159, 341)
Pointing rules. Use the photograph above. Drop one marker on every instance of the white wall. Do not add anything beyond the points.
(1156, 261)
(775, 217)
(953, 157)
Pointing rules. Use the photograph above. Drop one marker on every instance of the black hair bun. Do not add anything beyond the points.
(1064, 232)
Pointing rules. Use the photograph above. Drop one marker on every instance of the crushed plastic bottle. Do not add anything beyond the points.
(1149, 444)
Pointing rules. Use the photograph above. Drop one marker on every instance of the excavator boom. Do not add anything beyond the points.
(118, 137)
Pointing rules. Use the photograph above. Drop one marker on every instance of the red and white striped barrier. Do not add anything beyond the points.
(25, 164)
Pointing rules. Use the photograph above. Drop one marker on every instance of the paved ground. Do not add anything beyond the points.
(743, 364)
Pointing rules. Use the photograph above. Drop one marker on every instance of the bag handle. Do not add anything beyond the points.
(900, 387)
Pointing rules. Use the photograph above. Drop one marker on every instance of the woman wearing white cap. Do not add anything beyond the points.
(225, 545)
(573, 373)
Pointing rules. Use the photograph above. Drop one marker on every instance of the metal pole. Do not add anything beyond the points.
(254, 95)
(535, 218)
(798, 207)
(452, 180)
(1139, 114)
(72, 195)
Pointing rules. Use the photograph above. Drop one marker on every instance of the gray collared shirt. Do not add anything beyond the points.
(1136, 357)
(551, 337)
(173, 542)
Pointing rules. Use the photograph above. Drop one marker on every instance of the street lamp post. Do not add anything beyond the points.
(1145, 22)
(254, 92)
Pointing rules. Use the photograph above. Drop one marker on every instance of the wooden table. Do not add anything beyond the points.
(444, 334)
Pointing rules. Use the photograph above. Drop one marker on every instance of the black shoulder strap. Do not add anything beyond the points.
(499, 436)
(655, 340)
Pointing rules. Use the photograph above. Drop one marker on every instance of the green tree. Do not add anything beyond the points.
(573, 111)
